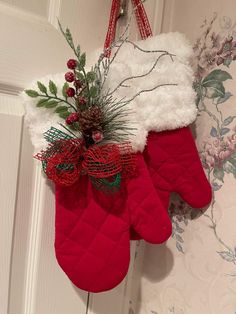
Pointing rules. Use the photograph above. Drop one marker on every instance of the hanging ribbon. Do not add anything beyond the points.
(111, 32)
(141, 18)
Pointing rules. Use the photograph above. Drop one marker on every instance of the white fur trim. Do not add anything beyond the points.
(165, 108)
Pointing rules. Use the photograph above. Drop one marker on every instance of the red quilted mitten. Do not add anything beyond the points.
(92, 228)
(148, 216)
(174, 166)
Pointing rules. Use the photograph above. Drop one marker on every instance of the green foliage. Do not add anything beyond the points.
(91, 76)
(113, 123)
(215, 89)
(41, 102)
(32, 93)
(51, 104)
(216, 75)
(80, 76)
(78, 51)
(212, 86)
(228, 120)
(60, 109)
(227, 61)
(52, 88)
(214, 83)
(93, 91)
(68, 37)
(42, 87)
(81, 62)
(64, 114)
(64, 89)
(218, 173)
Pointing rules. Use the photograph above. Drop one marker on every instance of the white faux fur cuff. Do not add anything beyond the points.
(165, 108)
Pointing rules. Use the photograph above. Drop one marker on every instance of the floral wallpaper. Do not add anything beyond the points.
(195, 271)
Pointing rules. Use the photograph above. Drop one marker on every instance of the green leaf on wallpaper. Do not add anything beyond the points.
(179, 238)
(213, 132)
(178, 228)
(232, 160)
(221, 100)
(228, 167)
(216, 186)
(215, 89)
(179, 247)
(218, 173)
(227, 61)
(224, 131)
(216, 75)
(227, 256)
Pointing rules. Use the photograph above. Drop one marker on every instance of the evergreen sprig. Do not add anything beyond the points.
(114, 123)
(48, 98)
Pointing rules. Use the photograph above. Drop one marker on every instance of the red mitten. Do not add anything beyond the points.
(147, 214)
(92, 228)
(174, 166)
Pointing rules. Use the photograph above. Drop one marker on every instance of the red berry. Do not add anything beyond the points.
(70, 77)
(70, 92)
(97, 136)
(73, 117)
(71, 64)
(78, 83)
(82, 101)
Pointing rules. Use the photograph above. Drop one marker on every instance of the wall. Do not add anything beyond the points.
(195, 271)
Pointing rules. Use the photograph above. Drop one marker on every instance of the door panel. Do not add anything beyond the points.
(11, 118)
(31, 281)
(34, 6)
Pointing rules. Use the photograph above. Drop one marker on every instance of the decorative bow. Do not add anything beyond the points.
(65, 160)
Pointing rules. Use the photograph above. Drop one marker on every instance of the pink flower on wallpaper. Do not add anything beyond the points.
(227, 52)
(218, 152)
(208, 59)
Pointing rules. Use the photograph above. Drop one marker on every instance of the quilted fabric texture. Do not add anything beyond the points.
(174, 165)
(92, 229)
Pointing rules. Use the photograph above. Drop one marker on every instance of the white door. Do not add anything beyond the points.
(31, 282)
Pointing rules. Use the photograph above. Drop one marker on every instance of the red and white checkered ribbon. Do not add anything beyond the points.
(141, 18)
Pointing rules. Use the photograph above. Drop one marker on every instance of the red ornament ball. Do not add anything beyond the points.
(70, 92)
(71, 64)
(69, 77)
(97, 136)
(73, 117)
(82, 101)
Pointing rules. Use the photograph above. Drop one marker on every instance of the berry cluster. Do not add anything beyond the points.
(70, 77)
(88, 117)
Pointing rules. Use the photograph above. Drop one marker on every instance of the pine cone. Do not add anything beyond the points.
(90, 119)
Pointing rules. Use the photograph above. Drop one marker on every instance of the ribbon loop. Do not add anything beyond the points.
(141, 18)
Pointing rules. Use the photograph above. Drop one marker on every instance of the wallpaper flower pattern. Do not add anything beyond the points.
(198, 274)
